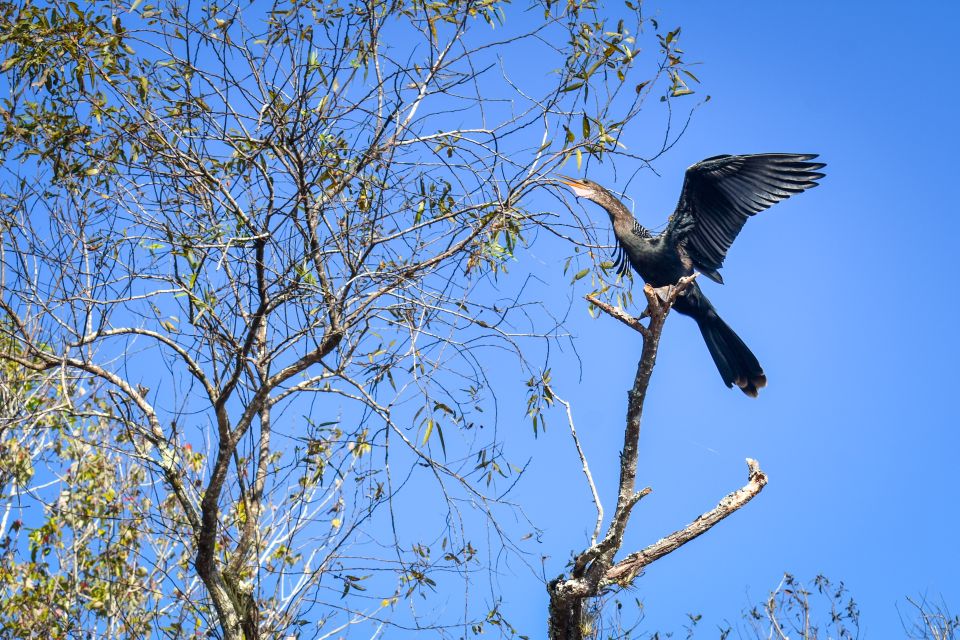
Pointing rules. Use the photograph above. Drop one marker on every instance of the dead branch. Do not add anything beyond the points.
(586, 470)
(619, 314)
(594, 568)
(629, 568)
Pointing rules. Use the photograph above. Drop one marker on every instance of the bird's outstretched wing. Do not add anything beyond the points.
(721, 192)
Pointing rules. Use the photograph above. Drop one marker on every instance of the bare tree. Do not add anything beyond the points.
(274, 238)
(794, 610)
(596, 570)
(930, 620)
(823, 609)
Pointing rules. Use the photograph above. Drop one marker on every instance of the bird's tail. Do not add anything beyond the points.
(736, 363)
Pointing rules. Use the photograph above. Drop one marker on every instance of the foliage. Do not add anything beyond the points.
(75, 532)
(276, 238)
(821, 610)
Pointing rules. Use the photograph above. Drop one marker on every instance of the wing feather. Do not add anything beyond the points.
(621, 263)
(720, 193)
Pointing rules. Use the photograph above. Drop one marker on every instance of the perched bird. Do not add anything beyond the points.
(718, 196)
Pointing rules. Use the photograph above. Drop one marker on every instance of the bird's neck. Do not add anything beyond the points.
(623, 221)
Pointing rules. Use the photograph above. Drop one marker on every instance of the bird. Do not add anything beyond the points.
(719, 195)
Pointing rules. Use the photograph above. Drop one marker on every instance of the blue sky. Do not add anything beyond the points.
(845, 293)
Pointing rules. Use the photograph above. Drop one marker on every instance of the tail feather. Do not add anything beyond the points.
(735, 362)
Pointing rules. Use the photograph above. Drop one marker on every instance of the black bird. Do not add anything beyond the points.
(718, 196)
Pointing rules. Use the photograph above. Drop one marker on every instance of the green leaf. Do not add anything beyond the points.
(431, 423)
(580, 274)
(426, 435)
(136, 3)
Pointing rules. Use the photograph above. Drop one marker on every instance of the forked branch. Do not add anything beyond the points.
(594, 569)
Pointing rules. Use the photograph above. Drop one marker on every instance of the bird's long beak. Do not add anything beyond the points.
(579, 187)
(570, 182)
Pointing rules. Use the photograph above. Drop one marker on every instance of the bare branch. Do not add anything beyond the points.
(594, 568)
(629, 568)
(586, 470)
(618, 314)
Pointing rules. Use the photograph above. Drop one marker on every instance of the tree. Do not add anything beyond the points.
(595, 570)
(819, 609)
(825, 609)
(789, 611)
(275, 239)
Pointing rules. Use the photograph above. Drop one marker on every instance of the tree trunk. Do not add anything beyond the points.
(566, 612)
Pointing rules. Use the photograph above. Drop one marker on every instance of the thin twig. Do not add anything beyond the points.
(586, 470)
(619, 314)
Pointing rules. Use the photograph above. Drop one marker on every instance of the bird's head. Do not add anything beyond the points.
(583, 188)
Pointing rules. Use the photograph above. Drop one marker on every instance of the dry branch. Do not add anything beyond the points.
(619, 314)
(586, 470)
(594, 568)
(629, 568)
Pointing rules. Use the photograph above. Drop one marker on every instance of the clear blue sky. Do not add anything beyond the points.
(846, 294)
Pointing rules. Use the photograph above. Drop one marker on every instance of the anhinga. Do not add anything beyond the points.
(718, 196)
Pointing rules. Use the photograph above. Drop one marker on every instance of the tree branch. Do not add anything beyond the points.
(618, 314)
(586, 470)
(629, 568)
(594, 568)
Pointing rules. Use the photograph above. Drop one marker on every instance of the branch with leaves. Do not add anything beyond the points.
(266, 233)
